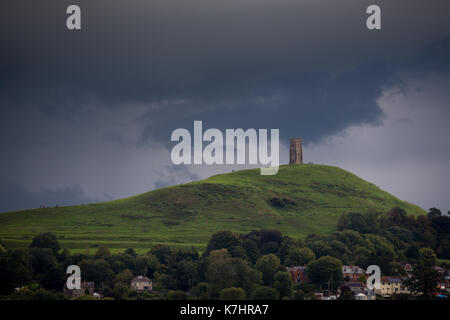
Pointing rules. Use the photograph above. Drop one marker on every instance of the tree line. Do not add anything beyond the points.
(240, 266)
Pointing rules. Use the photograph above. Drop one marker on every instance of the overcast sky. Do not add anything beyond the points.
(87, 115)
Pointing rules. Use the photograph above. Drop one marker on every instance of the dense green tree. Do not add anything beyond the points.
(152, 264)
(252, 250)
(124, 277)
(340, 251)
(423, 281)
(362, 256)
(325, 270)
(245, 276)
(283, 283)
(346, 293)
(268, 265)
(201, 291)
(427, 257)
(238, 252)
(225, 272)
(403, 234)
(42, 259)
(434, 212)
(299, 256)
(220, 271)
(270, 235)
(382, 252)
(36, 294)
(286, 245)
(321, 248)
(96, 270)
(6, 275)
(350, 238)
(424, 277)
(102, 252)
(46, 240)
(20, 266)
(121, 291)
(141, 265)
(53, 279)
(164, 254)
(233, 294)
(269, 247)
(395, 217)
(265, 293)
(222, 240)
(412, 252)
(353, 221)
(183, 274)
(176, 295)
(131, 252)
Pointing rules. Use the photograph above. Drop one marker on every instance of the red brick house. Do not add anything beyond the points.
(298, 274)
(353, 273)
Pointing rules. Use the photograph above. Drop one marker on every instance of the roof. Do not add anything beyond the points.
(140, 278)
(437, 268)
(355, 284)
(295, 268)
(391, 279)
(353, 269)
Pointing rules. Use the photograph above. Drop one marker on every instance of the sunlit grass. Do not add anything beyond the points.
(186, 215)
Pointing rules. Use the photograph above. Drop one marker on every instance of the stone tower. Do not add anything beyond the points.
(295, 151)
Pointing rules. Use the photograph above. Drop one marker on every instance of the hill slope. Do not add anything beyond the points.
(299, 200)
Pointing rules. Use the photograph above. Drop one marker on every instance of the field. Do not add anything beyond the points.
(299, 200)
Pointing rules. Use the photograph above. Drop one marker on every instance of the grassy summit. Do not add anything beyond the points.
(299, 200)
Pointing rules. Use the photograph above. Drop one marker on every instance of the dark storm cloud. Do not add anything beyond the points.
(84, 106)
(196, 49)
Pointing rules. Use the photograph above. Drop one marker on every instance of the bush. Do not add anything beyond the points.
(277, 202)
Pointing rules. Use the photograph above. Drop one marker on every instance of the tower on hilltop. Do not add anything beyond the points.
(295, 151)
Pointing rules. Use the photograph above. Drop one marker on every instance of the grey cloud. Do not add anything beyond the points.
(96, 107)
(14, 196)
(407, 158)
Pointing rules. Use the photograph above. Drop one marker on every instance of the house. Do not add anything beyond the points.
(318, 295)
(439, 269)
(356, 287)
(407, 267)
(391, 285)
(353, 273)
(141, 283)
(298, 274)
(86, 287)
(360, 291)
(444, 284)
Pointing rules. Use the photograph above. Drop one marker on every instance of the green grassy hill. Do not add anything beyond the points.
(299, 200)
